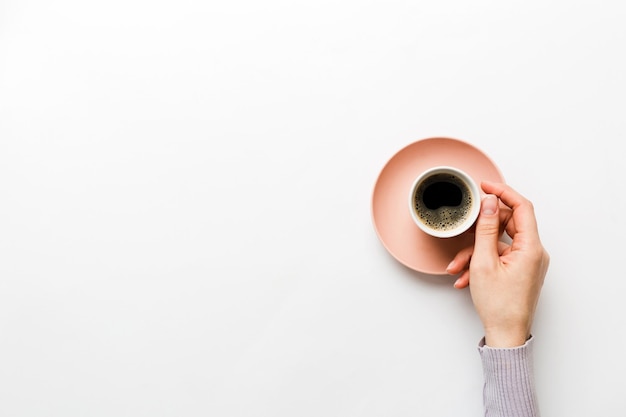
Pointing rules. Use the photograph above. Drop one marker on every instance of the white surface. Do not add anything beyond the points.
(185, 188)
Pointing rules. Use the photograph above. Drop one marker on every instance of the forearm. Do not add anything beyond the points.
(509, 389)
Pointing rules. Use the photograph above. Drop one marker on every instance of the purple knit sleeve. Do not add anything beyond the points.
(509, 389)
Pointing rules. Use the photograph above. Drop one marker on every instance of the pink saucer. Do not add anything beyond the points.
(392, 219)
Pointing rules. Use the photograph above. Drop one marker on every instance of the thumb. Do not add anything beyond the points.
(487, 232)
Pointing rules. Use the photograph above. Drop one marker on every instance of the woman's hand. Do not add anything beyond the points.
(504, 280)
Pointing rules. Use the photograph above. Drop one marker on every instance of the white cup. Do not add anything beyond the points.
(444, 201)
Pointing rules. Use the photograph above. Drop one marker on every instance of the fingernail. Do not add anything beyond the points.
(456, 283)
(450, 265)
(490, 205)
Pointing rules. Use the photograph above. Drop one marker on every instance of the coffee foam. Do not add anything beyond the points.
(443, 218)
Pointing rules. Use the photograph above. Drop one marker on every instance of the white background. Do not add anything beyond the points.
(185, 194)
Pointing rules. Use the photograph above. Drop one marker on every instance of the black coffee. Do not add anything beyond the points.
(442, 201)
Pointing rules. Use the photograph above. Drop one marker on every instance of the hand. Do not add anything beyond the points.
(505, 279)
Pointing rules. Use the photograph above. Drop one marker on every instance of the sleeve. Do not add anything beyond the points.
(509, 389)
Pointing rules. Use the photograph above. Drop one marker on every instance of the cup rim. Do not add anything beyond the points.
(474, 191)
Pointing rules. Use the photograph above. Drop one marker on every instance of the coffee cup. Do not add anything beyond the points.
(444, 201)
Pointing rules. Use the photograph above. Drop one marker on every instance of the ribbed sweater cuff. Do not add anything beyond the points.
(509, 389)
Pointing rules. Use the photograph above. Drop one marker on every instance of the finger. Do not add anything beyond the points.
(463, 280)
(510, 228)
(506, 218)
(487, 233)
(460, 261)
(502, 248)
(523, 216)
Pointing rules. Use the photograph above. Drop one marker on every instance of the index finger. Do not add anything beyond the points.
(523, 211)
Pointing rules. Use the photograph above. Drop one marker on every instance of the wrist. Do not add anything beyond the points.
(509, 338)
